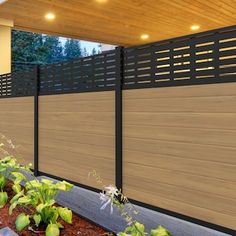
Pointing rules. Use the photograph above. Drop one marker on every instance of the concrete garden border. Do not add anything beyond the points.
(86, 203)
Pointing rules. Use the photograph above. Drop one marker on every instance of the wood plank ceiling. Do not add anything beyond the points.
(120, 22)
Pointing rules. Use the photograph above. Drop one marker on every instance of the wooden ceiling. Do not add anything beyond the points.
(120, 22)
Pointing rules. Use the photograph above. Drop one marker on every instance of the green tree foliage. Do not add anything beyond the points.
(28, 47)
(94, 52)
(72, 49)
(54, 49)
(44, 49)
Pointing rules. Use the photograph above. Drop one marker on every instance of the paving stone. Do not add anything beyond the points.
(7, 232)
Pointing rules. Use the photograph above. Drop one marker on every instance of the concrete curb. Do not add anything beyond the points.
(87, 204)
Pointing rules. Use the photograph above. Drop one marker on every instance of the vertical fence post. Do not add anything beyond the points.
(36, 118)
(118, 118)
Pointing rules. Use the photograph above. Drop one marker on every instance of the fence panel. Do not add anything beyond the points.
(17, 124)
(77, 136)
(77, 118)
(179, 141)
(17, 114)
(179, 150)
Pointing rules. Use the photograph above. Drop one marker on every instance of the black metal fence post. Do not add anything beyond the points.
(36, 116)
(118, 118)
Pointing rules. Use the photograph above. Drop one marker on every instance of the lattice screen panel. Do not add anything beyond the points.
(5, 85)
(97, 72)
(204, 58)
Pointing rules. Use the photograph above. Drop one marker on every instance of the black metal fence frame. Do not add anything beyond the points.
(120, 85)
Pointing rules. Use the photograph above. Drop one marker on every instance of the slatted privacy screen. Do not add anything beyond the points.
(23, 83)
(97, 72)
(18, 84)
(203, 58)
(5, 85)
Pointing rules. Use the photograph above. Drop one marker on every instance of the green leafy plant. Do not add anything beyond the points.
(160, 231)
(39, 197)
(22, 221)
(138, 229)
(114, 197)
(10, 169)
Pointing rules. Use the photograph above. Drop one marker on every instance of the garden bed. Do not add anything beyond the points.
(79, 227)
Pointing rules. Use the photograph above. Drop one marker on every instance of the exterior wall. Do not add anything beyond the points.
(179, 150)
(5, 49)
(17, 124)
(107, 47)
(76, 136)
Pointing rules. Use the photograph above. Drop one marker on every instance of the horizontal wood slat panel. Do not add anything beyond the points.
(185, 120)
(17, 124)
(198, 104)
(76, 136)
(180, 207)
(170, 185)
(224, 89)
(179, 150)
(181, 134)
(186, 166)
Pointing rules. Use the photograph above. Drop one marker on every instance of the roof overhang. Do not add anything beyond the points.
(119, 22)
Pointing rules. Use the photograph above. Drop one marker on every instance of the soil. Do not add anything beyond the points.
(79, 227)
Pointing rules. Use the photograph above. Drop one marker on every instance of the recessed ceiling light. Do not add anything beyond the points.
(101, 1)
(195, 27)
(50, 16)
(144, 36)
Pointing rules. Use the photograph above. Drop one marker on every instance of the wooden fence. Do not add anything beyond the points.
(157, 120)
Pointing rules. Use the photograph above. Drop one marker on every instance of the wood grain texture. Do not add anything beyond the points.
(119, 23)
(17, 124)
(76, 136)
(179, 150)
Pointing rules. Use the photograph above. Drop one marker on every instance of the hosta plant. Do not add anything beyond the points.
(39, 197)
(10, 169)
(138, 229)
(3, 195)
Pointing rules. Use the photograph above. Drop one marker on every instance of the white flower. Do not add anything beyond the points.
(106, 200)
(111, 191)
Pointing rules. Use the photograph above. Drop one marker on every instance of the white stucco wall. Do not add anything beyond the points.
(5, 46)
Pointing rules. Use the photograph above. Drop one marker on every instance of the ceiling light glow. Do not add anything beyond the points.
(144, 36)
(50, 16)
(195, 27)
(101, 1)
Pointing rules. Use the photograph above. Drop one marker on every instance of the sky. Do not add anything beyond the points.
(85, 44)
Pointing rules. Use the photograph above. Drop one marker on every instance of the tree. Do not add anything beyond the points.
(37, 48)
(85, 53)
(72, 49)
(43, 49)
(54, 49)
(94, 52)
(28, 47)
